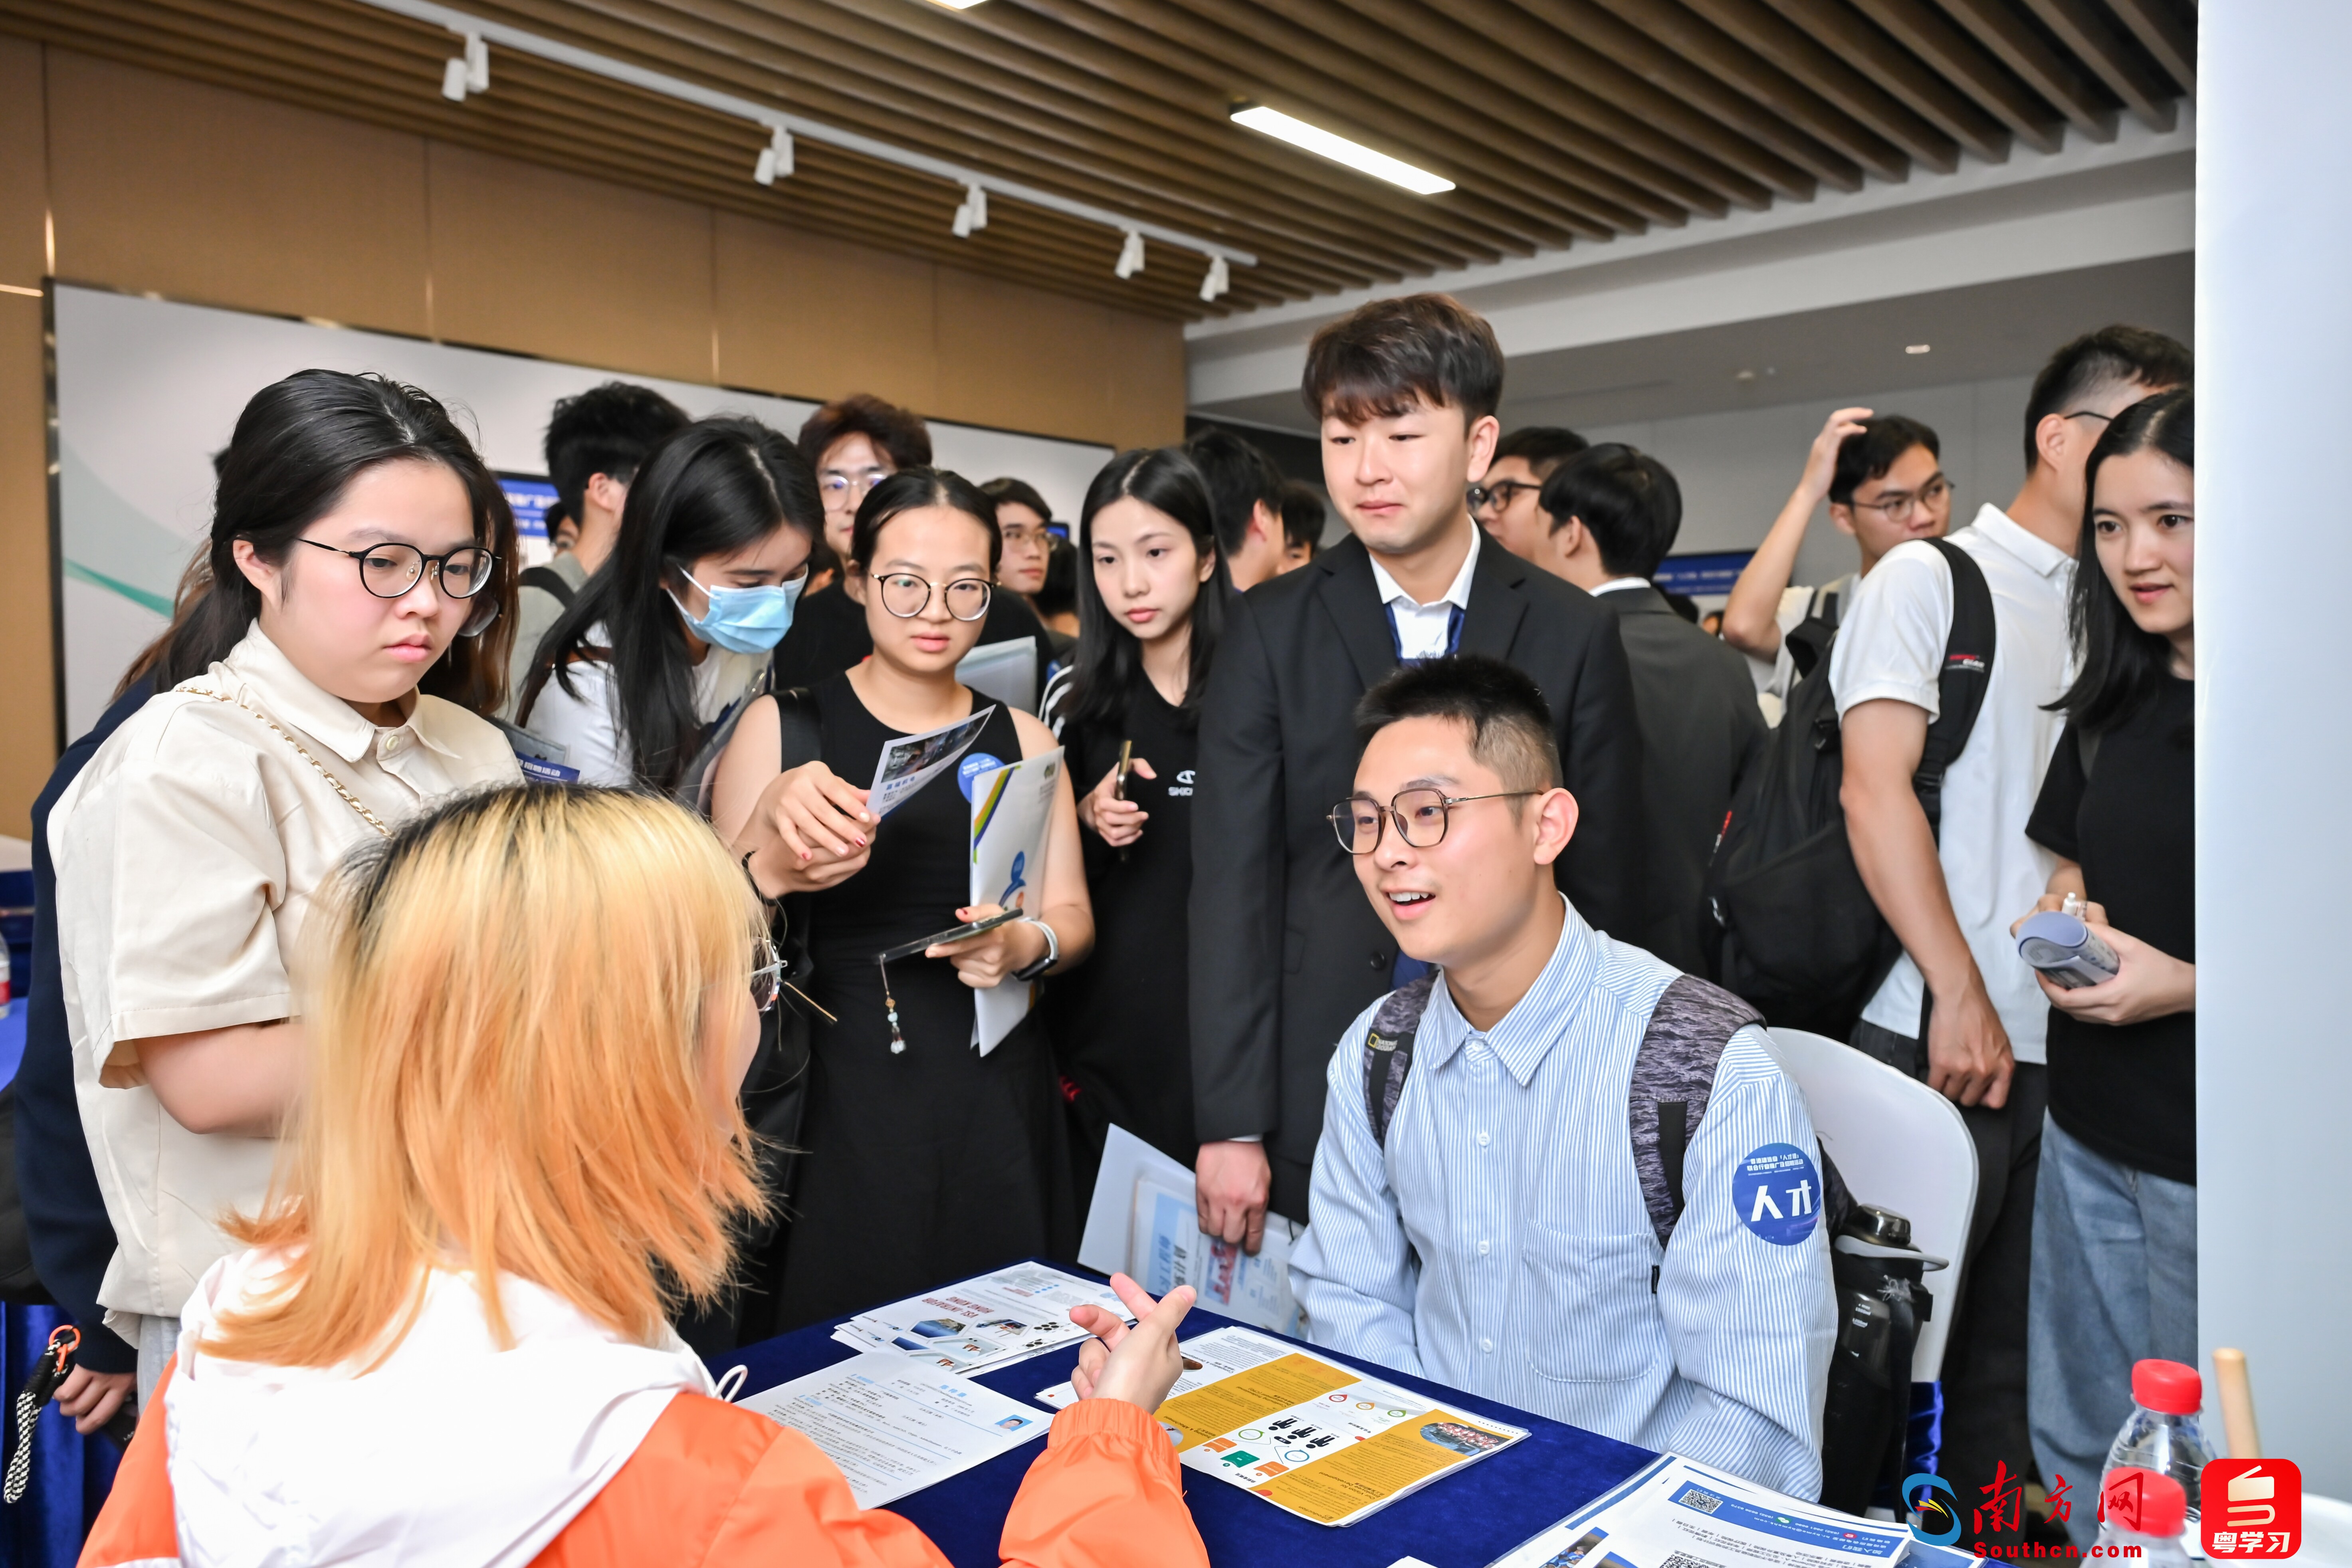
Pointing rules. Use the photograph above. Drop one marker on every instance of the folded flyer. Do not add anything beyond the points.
(911, 762)
(1678, 1514)
(1144, 1219)
(1315, 1438)
(995, 1319)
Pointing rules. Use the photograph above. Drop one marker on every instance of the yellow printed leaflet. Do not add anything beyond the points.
(1248, 1395)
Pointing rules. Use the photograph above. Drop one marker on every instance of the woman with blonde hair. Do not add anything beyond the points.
(517, 1152)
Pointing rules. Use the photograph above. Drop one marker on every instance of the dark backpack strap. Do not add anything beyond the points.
(1673, 1073)
(800, 727)
(547, 580)
(1388, 1050)
(1961, 687)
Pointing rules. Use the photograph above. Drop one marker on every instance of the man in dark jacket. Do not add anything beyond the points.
(1604, 521)
(1284, 951)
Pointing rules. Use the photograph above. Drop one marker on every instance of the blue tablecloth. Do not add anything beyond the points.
(1463, 1520)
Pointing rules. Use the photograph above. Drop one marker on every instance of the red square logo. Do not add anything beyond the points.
(2252, 1508)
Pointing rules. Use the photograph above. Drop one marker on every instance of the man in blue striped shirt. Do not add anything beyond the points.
(1498, 1238)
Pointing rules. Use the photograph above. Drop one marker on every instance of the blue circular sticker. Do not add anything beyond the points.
(1778, 1194)
(974, 764)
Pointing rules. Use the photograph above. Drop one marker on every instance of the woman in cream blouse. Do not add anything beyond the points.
(360, 551)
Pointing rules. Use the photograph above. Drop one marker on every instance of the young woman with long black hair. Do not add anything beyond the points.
(674, 632)
(1151, 593)
(360, 556)
(2115, 1215)
(923, 1158)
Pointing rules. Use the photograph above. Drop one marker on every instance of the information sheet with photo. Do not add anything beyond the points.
(909, 763)
(1679, 1514)
(1144, 1220)
(895, 1428)
(1012, 809)
(1313, 1438)
(995, 1319)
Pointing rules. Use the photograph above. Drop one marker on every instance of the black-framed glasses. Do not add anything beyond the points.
(389, 571)
(2089, 414)
(1899, 507)
(1421, 816)
(1498, 494)
(905, 595)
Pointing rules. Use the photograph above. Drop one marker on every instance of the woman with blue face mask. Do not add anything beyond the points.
(672, 637)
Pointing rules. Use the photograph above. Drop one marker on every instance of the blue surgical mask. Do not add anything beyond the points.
(745, 620)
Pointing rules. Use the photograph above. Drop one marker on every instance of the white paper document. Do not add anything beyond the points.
(1007, 671)
(993, 1320)
(1678, 1514)
(909, 763)
(1012, 810)
(1314, 1437)
(1144, 1221)
(895, 1428)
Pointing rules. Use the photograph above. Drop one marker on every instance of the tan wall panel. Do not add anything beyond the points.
(1145, 375)
(28, 721)
(202, 194)
(811, 317)
(549, 263)
(1021, 358)
(23, 167)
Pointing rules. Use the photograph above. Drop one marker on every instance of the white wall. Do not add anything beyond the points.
(2275, 751)
(1735, 469)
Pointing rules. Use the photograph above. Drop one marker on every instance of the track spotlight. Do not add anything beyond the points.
(469, 72)
(1218, 280)
(453, 80)
(775, 158)
(973, 214)
(1131, 255)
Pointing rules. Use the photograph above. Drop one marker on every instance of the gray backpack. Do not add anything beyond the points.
(1673, 1073)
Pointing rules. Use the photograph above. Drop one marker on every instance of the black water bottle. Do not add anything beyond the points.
(1881, 1303)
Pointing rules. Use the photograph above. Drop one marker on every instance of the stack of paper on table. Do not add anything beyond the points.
(995, 1320)
(1144, 1220)
(1313, 1438)
(895, 1426)
(1680, 1514)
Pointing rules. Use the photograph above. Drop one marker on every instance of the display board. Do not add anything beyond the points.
(147, 390)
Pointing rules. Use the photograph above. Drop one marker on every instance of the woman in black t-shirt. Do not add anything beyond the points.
(2114, 1222)
(1150, 601)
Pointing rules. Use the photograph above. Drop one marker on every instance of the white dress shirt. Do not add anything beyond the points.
(1890, 644)
(188, 853)
(1500, 1242)
(1620, 585)
(1420, 630)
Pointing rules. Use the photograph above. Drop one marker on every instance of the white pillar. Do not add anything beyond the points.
(2275, 719)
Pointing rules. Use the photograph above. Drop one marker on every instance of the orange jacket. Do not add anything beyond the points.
(713, 1484)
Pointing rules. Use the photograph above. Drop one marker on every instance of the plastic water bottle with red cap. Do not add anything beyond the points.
(2146, 1509)
(2162, 1435)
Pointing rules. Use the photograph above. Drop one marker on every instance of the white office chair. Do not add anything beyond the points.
(1900, 1145)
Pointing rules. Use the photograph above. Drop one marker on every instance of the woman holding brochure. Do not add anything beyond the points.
(1151, 597)
(512, 977)
(925, 1158)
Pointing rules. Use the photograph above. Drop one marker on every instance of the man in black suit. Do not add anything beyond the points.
(1285, 951)
(1605, 520)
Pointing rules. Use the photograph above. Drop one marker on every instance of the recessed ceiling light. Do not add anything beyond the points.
(957, 4)
(1915, 348)
(1339, 150)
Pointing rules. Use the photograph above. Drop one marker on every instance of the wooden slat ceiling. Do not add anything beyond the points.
(1560, 120)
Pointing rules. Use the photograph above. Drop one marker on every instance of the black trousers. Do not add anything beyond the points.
(1984, 1359)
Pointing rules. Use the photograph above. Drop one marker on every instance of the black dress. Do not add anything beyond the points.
(1122, 1032)
(929, 1166)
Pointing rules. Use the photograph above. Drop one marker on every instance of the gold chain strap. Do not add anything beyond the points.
(350, 799)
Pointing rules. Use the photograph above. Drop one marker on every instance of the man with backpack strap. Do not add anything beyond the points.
(1477, 1218)
(1959, 1009)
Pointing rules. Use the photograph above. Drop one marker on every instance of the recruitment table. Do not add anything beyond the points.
(1463, 1520)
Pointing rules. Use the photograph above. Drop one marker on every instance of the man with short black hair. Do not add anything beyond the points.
(1283, 952)
(1884, 480)
(1553, 1171)
(1504, 503)
(1245, 505)
(854, 443)
(595, 442)
(1611, 514)
(1959, 1011)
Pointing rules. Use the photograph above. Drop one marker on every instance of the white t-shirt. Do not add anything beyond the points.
(588, 726)
(1422, 628)
(1890, 644)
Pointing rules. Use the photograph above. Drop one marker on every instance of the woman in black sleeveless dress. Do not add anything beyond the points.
(1151, 600)
(927, 1163)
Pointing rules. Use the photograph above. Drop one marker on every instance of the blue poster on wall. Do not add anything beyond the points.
(532, 497)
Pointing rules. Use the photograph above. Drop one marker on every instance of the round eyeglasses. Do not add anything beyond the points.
(1898, 508)
(1421, 816)
(389, 571)
(1498, 494)
(839, 487)
(905, 595)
